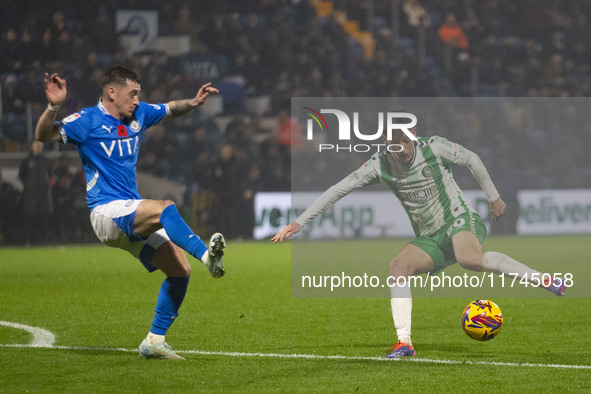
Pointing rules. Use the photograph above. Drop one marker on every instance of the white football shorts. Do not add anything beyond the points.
(113, 225)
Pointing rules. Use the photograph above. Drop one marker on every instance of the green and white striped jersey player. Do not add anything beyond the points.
(425, 185)
(447, 228)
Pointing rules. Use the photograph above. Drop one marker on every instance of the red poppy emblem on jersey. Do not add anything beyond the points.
(122, 131)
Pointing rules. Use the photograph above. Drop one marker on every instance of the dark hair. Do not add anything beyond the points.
(120, 75)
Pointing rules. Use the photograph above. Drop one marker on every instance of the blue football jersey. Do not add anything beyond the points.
(108, 148)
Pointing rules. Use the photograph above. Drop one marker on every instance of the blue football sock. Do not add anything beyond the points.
(180, 233)
(169, 301)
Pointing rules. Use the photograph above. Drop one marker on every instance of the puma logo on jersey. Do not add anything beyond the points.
(125, 146)
(107, 128)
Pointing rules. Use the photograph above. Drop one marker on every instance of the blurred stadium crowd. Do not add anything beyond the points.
(283, 49)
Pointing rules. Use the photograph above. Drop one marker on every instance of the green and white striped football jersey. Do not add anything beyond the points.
(425, 186)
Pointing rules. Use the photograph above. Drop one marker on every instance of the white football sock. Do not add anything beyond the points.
(401, 304)
(499, 263)
(205, 258)
(153, 339)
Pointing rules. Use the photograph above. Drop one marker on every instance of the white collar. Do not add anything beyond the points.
(102, 108)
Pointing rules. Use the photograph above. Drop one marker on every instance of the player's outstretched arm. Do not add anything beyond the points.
(55, 91)
(473, 162)
(287, 232)
(181, 107)
(497, 208)
(321, 204)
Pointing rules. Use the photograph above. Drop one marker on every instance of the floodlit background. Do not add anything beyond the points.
(214, 162)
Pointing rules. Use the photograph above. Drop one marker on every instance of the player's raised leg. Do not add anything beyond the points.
(171, 260)
(152, 215)
(469, 254)
(410, 261)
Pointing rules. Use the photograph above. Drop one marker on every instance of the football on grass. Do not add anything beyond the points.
(482, 320)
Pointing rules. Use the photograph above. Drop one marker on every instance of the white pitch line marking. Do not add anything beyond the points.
(41, 337)
(359, 358)
(319, 357)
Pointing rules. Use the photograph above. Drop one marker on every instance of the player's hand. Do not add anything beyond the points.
(203, 94)
(287, 232)
(497, 208)
(55, 89)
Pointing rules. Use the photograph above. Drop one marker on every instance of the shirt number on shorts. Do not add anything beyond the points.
(459, 223)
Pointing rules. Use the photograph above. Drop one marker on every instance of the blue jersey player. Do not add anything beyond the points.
(108, 137)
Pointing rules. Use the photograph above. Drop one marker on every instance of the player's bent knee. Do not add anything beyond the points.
(399, 267)
(166, 203)
(177, 270)
(185, 270)
(171, 260)
(472, 263)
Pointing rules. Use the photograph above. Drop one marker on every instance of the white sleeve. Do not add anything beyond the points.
(457, 154)
(472, 161)
(363, 176)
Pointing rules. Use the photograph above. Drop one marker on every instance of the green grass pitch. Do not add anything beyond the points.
(99, 303)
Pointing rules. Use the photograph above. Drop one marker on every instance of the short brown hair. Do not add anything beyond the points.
(120, 75)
